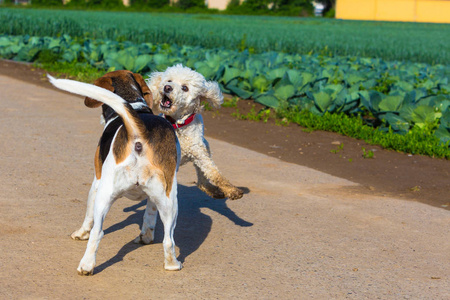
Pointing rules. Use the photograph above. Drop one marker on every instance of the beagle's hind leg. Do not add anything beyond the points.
(103, 201)
(85, 229)
(167, 205)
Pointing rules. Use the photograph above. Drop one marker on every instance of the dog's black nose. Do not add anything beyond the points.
(167, 89)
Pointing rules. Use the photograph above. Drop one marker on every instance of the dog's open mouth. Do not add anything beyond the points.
(166, 102)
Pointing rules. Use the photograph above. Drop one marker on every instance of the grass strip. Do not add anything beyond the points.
(416, 141)
(75, 70)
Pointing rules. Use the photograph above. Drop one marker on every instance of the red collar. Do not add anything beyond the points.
(176, 125)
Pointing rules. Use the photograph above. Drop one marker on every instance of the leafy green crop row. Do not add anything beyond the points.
(396, 96)
(390, 41)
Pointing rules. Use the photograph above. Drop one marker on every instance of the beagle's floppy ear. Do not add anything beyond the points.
(104, 82)
(145, 89)
(212, 94)
(153, 83)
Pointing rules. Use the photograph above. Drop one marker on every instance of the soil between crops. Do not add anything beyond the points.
(414, 177)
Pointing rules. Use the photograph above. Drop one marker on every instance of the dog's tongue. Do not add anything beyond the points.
(167, 103)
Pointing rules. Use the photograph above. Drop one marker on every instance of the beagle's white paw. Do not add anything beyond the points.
(146, 239)
(80, 235)
(86, 269)
(174, 265)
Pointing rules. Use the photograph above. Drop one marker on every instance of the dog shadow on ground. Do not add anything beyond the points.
(192, 228)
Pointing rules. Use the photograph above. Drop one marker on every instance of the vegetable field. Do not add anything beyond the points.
(428, 43)
(397, 88)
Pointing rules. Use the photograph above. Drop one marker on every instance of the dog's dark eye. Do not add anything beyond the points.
(185, 88)
(169, 81)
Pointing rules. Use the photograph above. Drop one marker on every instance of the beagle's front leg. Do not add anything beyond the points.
(148, 224)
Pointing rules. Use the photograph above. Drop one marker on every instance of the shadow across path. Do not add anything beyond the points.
(192, 227)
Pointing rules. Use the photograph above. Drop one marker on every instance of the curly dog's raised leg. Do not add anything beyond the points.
(210, 180)
(204, 185)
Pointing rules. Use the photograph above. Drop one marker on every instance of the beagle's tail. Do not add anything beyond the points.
(134, 126)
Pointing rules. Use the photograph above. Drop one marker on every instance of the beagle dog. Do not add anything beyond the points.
(137, 157)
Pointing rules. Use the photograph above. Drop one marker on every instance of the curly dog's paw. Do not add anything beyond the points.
(234, 194)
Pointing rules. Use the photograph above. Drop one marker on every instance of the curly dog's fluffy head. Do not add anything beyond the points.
(179, 91)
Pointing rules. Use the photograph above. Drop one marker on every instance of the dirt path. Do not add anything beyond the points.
(299, 233)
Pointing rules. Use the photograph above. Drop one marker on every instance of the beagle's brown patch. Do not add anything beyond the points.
(121, 146)
(104, 82)
(164, 157)
(144, 88)
(165, 169)
(98, 163)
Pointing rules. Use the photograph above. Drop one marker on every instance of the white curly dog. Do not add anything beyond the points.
(177, 94)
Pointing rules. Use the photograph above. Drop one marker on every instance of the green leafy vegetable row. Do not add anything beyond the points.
(428, 43)
(396, 96)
